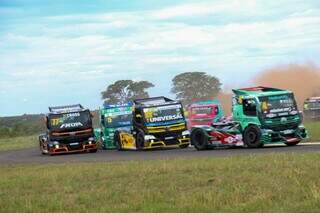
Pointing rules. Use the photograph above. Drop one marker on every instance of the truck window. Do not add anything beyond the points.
(249, 107)
(102, 120)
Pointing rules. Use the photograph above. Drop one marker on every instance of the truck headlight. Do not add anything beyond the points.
(56, 146)
(185, 133)
(149, 137)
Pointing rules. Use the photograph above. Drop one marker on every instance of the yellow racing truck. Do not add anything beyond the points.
(157, 122)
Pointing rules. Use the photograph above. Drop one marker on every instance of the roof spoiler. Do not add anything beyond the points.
(255, 89)
(66, 108)
(153, 100)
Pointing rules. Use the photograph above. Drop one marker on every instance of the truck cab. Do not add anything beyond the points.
(69, 129)
(311, 108)
(114, 117)
(157, 122)
(204, 113)
(267, 115)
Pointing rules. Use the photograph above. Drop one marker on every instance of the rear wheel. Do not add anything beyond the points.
(117, 141)
(252, 136)
(199, 139)
(140, 140)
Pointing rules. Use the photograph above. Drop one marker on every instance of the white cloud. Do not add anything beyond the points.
(150, 43)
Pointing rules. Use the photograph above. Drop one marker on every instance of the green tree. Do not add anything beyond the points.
(195, 86)
(126, 90)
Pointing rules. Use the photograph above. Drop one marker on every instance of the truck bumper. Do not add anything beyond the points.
(286, 136)
(154, 144)
(62, 149)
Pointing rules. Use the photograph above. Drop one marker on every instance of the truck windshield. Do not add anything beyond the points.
(69, 121)
(163, 114)
(118, 120)
(278, 104)
(312, 104)
(202, 110)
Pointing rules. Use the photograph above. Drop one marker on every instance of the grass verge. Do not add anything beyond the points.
(267, 183)
(313, 130)
(18, 143)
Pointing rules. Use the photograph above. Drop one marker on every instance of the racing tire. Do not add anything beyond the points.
(183, 146)
(292, 144)
(42, 149)
(117, 140)
(199, 139)
(140, 140)
(252, 136)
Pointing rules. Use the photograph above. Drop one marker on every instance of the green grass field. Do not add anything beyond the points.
(266, 183)
(313, 130)
(18, 142)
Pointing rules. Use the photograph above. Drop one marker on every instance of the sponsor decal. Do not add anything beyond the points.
(165, 118)
(71, 125)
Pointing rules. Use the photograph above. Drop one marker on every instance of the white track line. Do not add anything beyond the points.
(300, 144)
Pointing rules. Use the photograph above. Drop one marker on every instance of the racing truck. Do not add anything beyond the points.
(114, 117)
(69, 129)
(157, 122)
(204, 113)
(311, 108)
(261, 115)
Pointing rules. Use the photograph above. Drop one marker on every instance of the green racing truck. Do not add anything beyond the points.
(113, 117)
(267, 115)
(260, 115)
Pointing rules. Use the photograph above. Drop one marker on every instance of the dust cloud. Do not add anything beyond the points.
(302, 79)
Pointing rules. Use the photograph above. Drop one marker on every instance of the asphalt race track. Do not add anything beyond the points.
(33, 155)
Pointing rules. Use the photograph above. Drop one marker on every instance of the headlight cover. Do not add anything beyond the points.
(149, 137)
(186, 132)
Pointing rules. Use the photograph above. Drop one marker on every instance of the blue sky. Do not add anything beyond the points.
(60, 52)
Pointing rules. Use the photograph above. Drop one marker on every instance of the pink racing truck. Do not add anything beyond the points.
(204, 113)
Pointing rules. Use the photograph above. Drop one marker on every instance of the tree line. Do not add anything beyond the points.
(187, 87)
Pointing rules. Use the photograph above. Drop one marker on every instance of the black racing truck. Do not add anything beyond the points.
(157, 122)
(69, 129)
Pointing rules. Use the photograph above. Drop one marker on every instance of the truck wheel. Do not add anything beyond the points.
(117, 140)
(93, 150)
(140, 140)
(199, 139)
(43, 151)
(293, 143)
(252, 136)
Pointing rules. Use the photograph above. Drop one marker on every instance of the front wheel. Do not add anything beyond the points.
(199, 139)
(140, 140)
(43, 148)
(252, 136)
